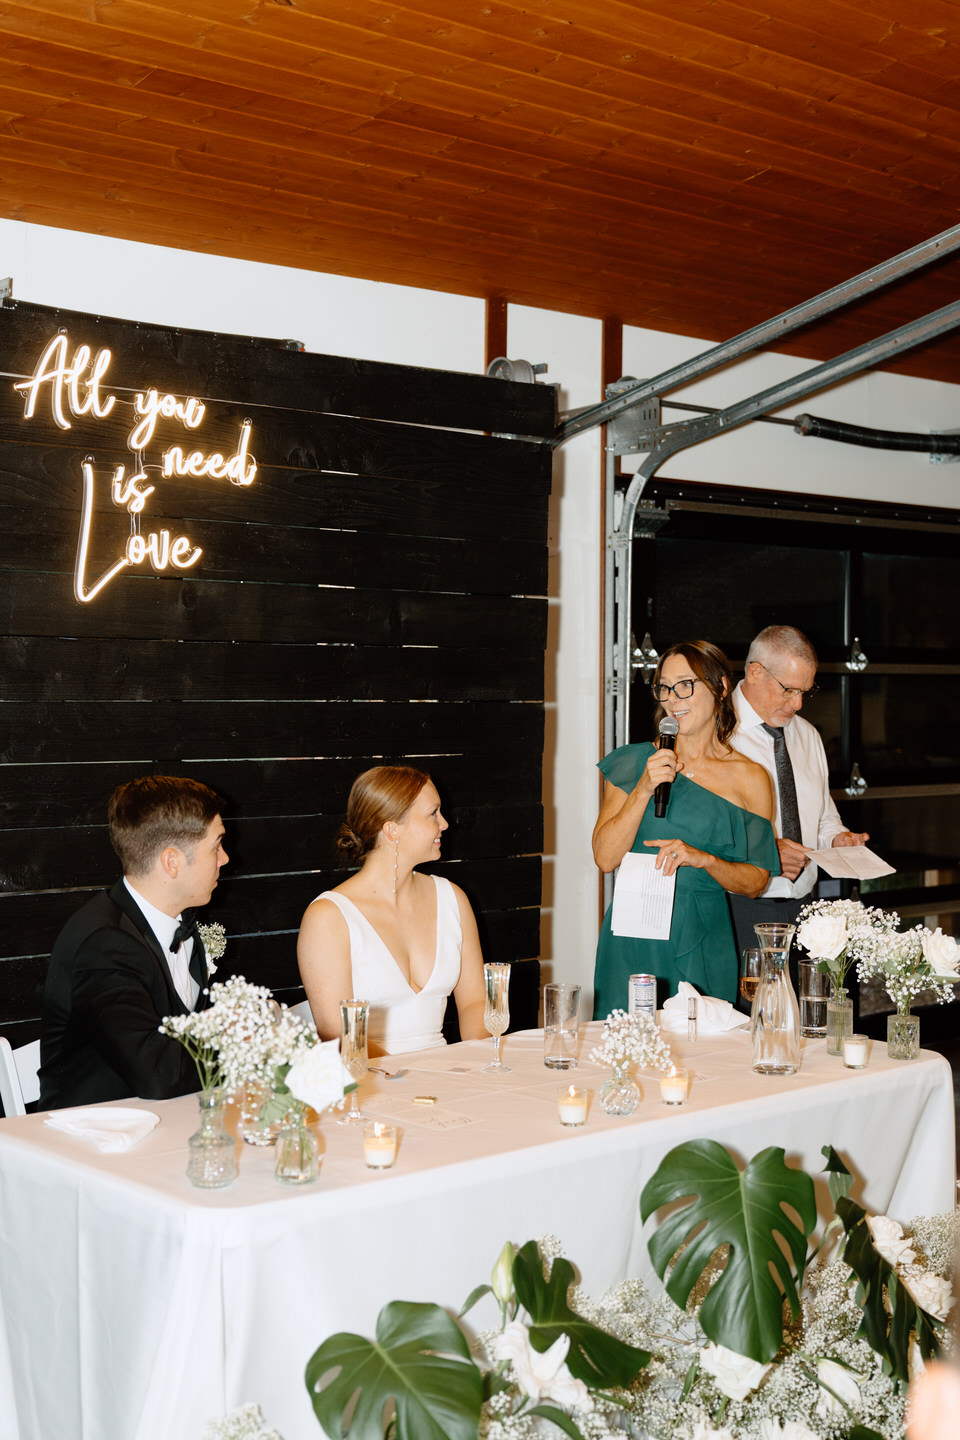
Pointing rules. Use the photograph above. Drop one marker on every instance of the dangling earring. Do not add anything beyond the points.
(396, 864)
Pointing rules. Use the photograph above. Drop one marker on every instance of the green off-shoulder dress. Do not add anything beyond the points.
(701, 948)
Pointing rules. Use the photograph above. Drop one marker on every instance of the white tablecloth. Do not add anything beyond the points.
(133, 1307)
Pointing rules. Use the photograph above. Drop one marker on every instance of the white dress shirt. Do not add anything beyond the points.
(164, 927)
(819, 818)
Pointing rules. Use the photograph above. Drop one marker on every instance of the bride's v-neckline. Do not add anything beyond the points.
(386, 948)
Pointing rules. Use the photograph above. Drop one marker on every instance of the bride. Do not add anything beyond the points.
(389, 935)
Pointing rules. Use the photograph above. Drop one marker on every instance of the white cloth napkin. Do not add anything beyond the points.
(109, 1129)
(713, 1015)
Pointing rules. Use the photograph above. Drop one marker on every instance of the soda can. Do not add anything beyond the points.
(642, 995)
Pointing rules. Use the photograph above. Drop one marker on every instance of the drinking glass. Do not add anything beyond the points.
(561, 1021)
(814, 994)
(751, 964)
(353, 1051)
(496, 1011)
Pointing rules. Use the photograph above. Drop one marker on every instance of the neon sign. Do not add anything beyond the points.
(73, 385)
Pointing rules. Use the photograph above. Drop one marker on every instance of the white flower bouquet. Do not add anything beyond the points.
(910, 961)
(839, 933)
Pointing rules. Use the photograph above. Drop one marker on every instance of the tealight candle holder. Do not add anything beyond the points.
(856, 1050)
(674, 1087)
(572, 1105)
(379, 1145)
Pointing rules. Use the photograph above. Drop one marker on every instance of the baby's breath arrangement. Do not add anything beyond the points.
(838, 933)
(911, 962)
(631, 1040)
(246, 1423)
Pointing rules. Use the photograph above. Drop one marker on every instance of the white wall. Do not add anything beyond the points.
(775, 457)
(418, 327)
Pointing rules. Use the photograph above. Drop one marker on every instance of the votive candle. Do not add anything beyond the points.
(379, 1145)
(673, 1087)
(572, 1105)
(855, 1051)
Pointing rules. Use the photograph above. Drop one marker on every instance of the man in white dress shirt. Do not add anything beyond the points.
(779, 675)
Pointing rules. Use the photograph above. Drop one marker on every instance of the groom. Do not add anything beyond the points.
(125, 960)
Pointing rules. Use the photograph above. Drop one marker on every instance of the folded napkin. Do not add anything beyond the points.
(713, 1015)
(110, 1128)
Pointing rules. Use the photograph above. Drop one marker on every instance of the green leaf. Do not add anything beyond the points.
(420, 1360)
(885, 1326)
(744, 1309)
(863, 1432)
(596, 1358)
(562, 1421)
(477, 1293)
(839, 1178)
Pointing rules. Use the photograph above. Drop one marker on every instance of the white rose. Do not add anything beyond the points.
(889, 1241)
(931, 1292)
(703, 1430)
(842, 1391)
(736, 1375)
(790, 1430)
(824, 936)
(941, 952)
(317, 1076)
(544, 1377)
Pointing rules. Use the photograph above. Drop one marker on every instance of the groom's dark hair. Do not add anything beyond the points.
(148, 814)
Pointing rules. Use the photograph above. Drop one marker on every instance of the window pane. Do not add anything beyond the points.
(910, 602)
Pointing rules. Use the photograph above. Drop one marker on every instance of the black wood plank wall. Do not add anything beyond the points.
(376, 594)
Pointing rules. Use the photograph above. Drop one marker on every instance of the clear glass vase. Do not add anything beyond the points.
(619, 1093)
(213, 1156)
(903, 1035)
(298, 1150)
(775, 1014)
(839, 1020)
(259, 1122)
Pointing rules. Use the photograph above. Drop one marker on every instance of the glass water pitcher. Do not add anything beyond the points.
(775, 1014)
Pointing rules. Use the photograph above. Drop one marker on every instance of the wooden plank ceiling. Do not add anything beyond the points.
(686, 165)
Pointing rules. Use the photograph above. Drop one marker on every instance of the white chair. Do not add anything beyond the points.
(19, 1078)
(303, 1012)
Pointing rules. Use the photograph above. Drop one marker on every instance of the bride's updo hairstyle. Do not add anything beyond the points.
(377, 796)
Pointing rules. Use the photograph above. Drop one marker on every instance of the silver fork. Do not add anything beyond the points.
(390, 1074)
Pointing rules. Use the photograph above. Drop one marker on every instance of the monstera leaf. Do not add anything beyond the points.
(420, 1361)
(886, 1324)
(594, 1357)
(744, 1309)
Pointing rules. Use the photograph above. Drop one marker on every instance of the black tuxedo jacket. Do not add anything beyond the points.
(107, 989)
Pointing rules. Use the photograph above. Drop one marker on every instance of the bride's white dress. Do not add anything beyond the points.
(402, 1018)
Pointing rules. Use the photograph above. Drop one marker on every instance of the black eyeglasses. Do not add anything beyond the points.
(681, 691)
(792, 690)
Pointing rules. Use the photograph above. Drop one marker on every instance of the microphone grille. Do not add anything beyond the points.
(669, 725)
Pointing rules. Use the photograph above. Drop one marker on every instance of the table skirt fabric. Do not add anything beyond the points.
(133, 1307)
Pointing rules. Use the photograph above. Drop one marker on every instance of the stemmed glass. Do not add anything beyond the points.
(496, 1010)
(353, 1050)
(750, 970)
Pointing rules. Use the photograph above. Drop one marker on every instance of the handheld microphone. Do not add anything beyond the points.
(669, 729)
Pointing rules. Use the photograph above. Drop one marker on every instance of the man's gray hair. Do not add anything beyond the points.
(781, 640)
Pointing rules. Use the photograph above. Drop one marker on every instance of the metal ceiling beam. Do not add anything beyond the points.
(663, 441)
(769, 333)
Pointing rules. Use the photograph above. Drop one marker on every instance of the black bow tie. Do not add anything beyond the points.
(187, 929)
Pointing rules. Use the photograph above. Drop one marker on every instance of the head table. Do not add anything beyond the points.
(134, 1307)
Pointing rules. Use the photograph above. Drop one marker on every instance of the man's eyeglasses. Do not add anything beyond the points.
(681, 691)
(791, 690)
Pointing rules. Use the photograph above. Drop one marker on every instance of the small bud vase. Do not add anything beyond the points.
(839, 1020)
(903, 1035)
(619, 1093)
(213, 1158)
(298, 1150)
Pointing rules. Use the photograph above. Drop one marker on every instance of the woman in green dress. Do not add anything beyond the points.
(716, 834)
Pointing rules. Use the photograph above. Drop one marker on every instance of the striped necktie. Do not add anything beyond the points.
(786, 785)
